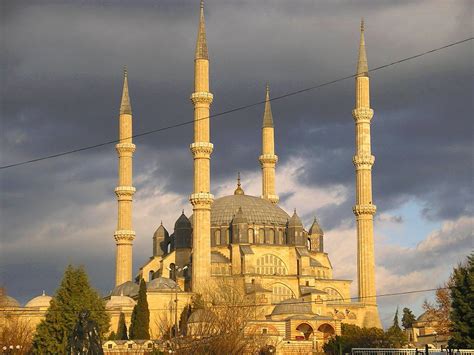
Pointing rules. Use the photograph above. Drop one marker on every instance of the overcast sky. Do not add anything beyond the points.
(61, 81)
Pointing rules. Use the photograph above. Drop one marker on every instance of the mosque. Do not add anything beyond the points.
(275, 260)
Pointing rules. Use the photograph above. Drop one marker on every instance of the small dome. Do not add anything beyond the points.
(128, 288)
(292, 306)
(162, 284)
(42, 301)
(424, 317)
(295, 220)
(119, 302)
(183, 222)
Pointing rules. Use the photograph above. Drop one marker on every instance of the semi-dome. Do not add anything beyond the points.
(162, 284)
(292, 306)
(255, 210)
(42, 301)
(120, 302)
(128, 288)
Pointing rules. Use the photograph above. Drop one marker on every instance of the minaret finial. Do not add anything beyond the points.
(125, 106)
(201, 44)
(239, 190)
(362, 66)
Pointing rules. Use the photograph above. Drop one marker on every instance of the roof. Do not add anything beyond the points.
(7, 301)
(308, 289)
(362, 66)
(182, 222)
(252, 288)
(293, 306)
(128, 288)
(161, 232)
(255, 209)
(314, 262)
(246, 249)
(125, 106)
(41, 301)
(302, 251)
(315, 228)
(295, 220)
(217, 257)
(162, 284)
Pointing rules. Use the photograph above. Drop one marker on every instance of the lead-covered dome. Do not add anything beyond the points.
(255, 209)
(292, 306)
(42, 301)
(120, 302)
(162, 284)
(128, 288)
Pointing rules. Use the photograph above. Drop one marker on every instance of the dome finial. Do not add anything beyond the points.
(239, 190)
(44, 293)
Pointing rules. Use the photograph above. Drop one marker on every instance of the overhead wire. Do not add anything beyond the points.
(226, 112)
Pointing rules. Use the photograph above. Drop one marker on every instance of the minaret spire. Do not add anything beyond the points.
(201, 198)
(268, 159)
(362, 66)
(201, 43)
(364, 208)
(124, 234)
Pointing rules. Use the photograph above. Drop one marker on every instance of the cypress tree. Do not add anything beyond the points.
(408, 318)
(462, 306)
(73, 295)
(122, 328)
(139, 327)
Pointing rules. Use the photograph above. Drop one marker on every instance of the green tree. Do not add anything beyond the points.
(408, 318)
(112, 336)
(462, 305)
(395, 334)
(139, 326)
(73, 295)
(121, 328)
(353, 336)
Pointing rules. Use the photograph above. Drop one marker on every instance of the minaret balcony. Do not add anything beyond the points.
(124, 236)
(201, 149)
(201, 199)
(362, 114)
(268, 159)
(125, 147)
(368, 209)
(363, 161)
(125, 192)
(202, 97)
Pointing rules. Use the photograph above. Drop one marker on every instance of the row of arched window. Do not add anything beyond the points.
(254, 236)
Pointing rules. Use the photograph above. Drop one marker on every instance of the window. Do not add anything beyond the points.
(150, 345)
(217, 237)
(110, 346)
(261, 236)
(227, 236)
(270, 264)
(280, 292)
(308, 243)
(150, 275)
(264, 331)
(251, 233)
(130, 346)
(271, 236)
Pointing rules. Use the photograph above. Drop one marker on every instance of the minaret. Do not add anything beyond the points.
(268, 159)
(201, 149)
(124, 235)
(364, 209)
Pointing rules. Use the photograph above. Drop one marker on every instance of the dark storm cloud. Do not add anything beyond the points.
(61, 83)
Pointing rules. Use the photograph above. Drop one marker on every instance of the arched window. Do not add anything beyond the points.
(168, 248)
(261, 236)
(271, 236)
(217, 237)
(227, 236)
(251, 235)
(319, 274)
(270, 264)
(308, 243)
(333, 294)
(150, 275)
(281, 292)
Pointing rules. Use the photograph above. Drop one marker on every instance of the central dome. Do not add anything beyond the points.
(255, 209)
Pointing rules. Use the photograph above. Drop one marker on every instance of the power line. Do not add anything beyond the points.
(244, 107)
(247, 305)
